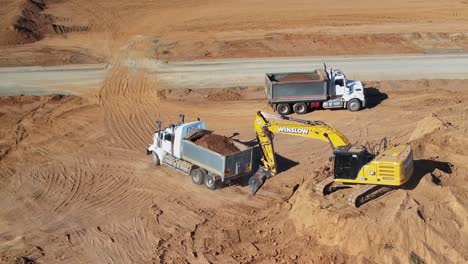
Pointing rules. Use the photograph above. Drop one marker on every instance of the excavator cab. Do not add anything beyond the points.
(349, 160)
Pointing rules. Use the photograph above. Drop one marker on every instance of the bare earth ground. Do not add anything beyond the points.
(74, 31)
(77, 186)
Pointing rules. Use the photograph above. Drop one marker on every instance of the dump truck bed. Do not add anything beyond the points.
(290, 87)
(227, 166)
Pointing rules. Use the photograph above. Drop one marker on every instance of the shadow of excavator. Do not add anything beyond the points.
(424, 167)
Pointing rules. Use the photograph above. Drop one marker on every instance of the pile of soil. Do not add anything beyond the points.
(25, 24)
(217, 143)
(301, 77)
(224, 95)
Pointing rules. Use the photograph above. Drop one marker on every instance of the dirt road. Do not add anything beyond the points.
(53, 79)
(245, 72)
(74, 79)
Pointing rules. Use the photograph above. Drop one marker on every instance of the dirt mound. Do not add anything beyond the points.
(217, 143)
(426, 126)
(25, 23)
(224, 95)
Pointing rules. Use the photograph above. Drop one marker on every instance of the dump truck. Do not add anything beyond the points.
(176, 146)
(300, 92)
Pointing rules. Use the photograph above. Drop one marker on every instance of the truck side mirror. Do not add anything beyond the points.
(182, 117)
(159, 123)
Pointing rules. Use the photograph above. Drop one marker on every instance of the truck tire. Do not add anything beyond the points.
(354, 105)
(210, 182)
(198, 176)
(155, 158)
(283, 109)
(300, 108)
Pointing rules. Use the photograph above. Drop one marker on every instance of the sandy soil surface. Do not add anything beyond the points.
(77, 186)
(96, 31)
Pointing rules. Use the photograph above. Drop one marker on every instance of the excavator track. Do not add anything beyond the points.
(323, 186)
(359, 196)
(366, 194)
(328, 186)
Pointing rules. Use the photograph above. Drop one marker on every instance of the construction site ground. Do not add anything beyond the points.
(56, 32)
(76, 185)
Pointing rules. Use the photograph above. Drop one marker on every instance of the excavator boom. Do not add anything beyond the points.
(266, 125)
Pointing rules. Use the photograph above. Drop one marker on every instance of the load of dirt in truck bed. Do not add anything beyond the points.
(302, 76)
(217, 143)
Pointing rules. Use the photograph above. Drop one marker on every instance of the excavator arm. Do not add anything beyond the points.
(266, 125)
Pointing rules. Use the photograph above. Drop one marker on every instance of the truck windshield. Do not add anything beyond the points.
(168, 136)
(339, 82)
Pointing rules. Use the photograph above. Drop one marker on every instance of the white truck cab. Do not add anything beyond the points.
(345, 91)
(168, 141)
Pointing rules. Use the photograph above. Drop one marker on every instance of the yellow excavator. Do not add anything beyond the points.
(353, 165)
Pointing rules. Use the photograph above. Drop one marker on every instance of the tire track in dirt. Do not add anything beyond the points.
(67, 197)
(105, 243)
(130, 104)
(66, 189)
(6, 178)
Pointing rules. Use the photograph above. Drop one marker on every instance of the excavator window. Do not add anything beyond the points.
(348, 164)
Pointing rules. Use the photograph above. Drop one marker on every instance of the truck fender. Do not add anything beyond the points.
(152, 148)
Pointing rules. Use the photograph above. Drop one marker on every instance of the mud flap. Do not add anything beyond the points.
(258, 179)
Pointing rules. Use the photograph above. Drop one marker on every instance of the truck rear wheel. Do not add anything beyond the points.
(155, 158)
(354, 105)
(210, 182)
(300, 108)
(198, 176)
(283, 109)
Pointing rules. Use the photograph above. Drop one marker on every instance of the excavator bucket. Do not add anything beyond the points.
(258, 179)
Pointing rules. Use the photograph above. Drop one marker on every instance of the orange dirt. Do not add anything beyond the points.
(77, 187)
(113, 30)
(77, 177)
(297, 77)
(22, 21)
(217, 143)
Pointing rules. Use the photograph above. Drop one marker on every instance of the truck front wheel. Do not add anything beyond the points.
(300, 108)
(283, 109)
(155, 158)
(210, 182)
(198, 176)
(354, 105)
